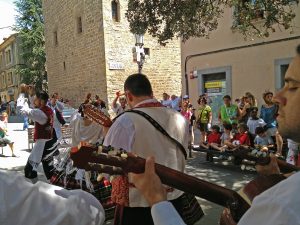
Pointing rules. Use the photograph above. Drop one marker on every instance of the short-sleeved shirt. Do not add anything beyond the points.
(253, 124)
(204, 112)
(243, 139)
(225, 137)
(263, 140)
(227, 113)
(214, 138)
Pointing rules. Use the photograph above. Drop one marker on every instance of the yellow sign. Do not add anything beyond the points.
(213, 84)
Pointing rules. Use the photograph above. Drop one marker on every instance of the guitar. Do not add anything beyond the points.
(262, 158)
(87, 158)
(96, 115)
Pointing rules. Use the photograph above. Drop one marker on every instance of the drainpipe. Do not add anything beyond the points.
(187, 58)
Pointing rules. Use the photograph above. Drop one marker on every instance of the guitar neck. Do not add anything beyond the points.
(284, 166)
(181, 181)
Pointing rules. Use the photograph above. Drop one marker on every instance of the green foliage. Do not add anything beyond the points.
(166, 19)
(30, 26)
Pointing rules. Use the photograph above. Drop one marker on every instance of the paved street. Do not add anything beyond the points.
(220, 172)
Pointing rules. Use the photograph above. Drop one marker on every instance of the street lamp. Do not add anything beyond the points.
(140, 54)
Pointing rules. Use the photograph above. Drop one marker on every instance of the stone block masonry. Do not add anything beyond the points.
(82, 39)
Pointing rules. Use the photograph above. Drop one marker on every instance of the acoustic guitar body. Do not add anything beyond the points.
(250, 191)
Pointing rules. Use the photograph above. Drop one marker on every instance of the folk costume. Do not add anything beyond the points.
(58, 119)
(25, 203)
(45, 141)
(69, 177)
(132, 132)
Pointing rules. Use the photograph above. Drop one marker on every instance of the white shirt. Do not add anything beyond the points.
(24, 203)
(121, 134)
(22, 101)
(253, 124)
(39, 116)
(91, 133)
(278, 205)
(118, 109)
(164, 213)
(56, 124)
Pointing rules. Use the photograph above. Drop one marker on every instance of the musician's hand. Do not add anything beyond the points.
(149, 183)
(271, 168)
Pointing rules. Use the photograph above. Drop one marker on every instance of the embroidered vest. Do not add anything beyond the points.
(150, 142)
(44, 131)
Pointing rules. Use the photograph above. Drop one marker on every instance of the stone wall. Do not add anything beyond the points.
(75, 64)
(163, 67)
(79, 63)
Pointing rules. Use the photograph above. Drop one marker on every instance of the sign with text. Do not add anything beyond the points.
(116, 66)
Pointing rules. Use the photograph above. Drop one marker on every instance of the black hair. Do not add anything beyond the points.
(138, 84)
(202, 99)
(254, 108)
(227, 96)
(227, 126)
(259, 130)
(42, 95)
(216, 127)
(298, 49)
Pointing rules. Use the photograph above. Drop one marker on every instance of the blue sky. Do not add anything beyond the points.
(7, 17)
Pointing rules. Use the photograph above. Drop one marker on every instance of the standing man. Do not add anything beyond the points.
(275, 206)
(176, 103)
(120, 107)
(229, 112)
(45, 138)
(23, 101)
(134, 133)
(166, 100)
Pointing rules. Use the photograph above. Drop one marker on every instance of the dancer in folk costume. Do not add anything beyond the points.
(69, 177)
(45, 139)
(150, 130)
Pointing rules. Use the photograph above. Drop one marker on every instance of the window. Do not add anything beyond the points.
(9, 78)
(147, 51)
(79, 25)
(55, 39)
(238, 12)
(115, 10)
(8, 56)
(64, 64)
(1, 60)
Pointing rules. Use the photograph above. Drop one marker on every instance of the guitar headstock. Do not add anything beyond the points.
(87, 156)
(96, 115)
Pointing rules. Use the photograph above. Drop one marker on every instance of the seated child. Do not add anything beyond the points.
(262, 139)
(213, 138)
(3, 135)
(226, 136)
(241, 138)
(254, 121)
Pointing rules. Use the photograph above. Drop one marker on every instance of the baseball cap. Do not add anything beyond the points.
(185, 97)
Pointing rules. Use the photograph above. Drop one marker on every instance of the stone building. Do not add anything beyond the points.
(10, 50)
(89, 49)
(226, 63)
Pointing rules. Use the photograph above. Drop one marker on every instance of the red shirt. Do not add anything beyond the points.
(214, 138)
(243, 139)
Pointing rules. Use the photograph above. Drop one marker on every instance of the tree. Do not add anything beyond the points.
(30, 26)
(166, 19)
